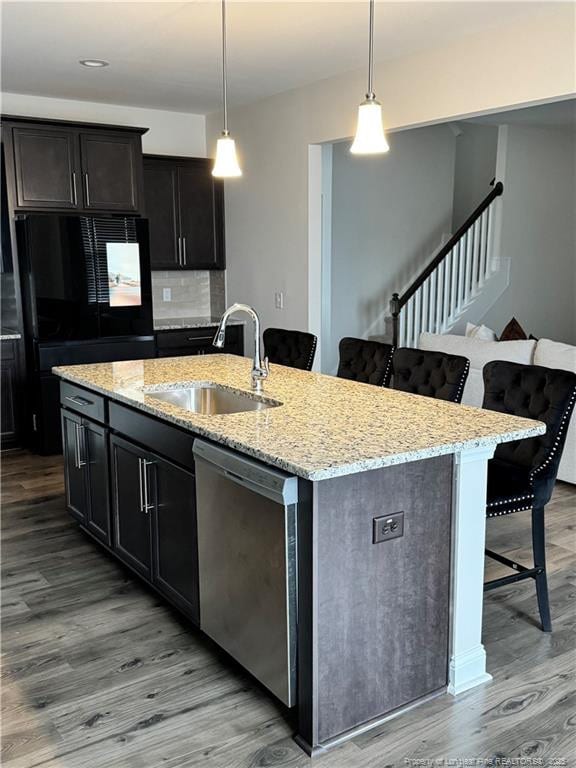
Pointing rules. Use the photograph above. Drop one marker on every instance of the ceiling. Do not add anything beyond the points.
(166, 55)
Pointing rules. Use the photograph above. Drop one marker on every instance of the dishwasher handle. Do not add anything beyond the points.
(267, 481)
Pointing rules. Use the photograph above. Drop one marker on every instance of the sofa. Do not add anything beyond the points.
(551, 354)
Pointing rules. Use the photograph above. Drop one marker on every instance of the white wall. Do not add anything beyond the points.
(267, 209)
(389, 215)
(475, 168)
(538, 233)
(171, 133)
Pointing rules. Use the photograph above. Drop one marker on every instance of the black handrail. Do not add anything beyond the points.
(397, 301)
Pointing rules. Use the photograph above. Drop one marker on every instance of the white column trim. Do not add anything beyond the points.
(467, 666)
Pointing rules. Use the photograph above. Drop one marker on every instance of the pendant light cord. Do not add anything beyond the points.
(371, 94)
(224, 67)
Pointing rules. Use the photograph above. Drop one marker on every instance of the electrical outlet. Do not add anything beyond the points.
(279, 299)
(388, 527)
(166, 294)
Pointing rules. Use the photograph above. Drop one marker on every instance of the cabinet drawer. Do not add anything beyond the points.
(155, 435)
(83, 401)
(192, 336)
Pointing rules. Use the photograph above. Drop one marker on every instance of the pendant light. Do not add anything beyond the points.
(226, 163)
(370, 138)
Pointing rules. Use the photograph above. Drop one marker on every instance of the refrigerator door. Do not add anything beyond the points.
(124, 287)
(59, 280)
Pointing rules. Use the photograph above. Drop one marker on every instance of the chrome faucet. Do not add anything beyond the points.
(260, 368)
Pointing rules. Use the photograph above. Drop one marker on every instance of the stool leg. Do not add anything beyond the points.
(539, 549)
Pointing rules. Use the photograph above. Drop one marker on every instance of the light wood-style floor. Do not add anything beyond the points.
(99, 673)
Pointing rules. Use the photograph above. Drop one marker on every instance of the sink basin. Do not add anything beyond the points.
(210, 400)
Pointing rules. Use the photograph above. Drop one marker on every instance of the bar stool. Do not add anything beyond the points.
(366, 361)
(295, 349)
(522, 474)
(434, 374)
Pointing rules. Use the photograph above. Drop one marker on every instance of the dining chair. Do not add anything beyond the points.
(366, 361)
(434, 374)
(295, 349)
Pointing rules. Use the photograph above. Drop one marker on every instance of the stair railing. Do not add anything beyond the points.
(450, 281)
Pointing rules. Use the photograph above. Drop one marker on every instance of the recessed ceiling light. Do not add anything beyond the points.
(94, 63)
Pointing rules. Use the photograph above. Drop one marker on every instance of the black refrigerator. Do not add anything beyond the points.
(87, 298)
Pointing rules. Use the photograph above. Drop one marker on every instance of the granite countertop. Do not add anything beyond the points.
(184, 323)
(325, 427)
(8, 334)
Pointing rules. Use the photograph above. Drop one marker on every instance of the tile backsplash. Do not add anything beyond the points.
(195, 293)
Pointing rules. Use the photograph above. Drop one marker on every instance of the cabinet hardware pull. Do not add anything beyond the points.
(86, 185)
(74, 190)
(78, 461)
(147, 506)
(200, 338)
(78, 400)
(184, 252)
(179, 251)
(140, 486)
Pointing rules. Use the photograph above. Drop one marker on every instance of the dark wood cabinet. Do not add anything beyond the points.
(9, 395)
(175, 535)
(198, 341)
(131, 505)
(138, 501)
(161, 193)
(85, 445)
(111, 170)
(76, 500)
(57, 166)
(47, 167)
(155, 521)
(185, 207)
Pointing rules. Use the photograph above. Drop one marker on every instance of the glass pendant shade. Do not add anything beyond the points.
(226, 163)
(370, 138)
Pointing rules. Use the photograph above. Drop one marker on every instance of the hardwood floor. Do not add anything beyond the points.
(99, 673)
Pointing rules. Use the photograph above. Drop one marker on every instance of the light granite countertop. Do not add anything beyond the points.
(324, 428)
(185, 323)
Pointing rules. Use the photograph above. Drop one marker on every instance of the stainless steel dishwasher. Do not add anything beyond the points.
(247, 562)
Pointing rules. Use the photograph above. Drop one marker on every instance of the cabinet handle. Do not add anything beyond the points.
(140, 484)
(74, 190)
(184, 252)
(78, 400)
(179, 251)
(146, 506)
(79, 435)
(200, 338)
(87, 188)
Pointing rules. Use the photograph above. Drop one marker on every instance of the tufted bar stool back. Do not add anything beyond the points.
(522, 474)
(295, 349)
(365, 361)
(434, 374)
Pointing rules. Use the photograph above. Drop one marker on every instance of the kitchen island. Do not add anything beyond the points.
(382, 540)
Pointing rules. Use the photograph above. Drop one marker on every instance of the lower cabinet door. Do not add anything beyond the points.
(175, 535)
(132, 518)
(96, 457)
(76, 500)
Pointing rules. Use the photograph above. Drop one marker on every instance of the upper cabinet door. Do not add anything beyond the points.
(201, 209)
(160, 195)
(111, 170)
(46, 168)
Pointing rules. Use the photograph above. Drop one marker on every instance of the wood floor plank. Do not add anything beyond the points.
(98, 672)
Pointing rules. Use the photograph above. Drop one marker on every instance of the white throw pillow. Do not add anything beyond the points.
(480, 332)
(479, 353)
(553, 354)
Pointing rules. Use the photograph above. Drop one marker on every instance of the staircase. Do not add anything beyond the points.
(456, 278)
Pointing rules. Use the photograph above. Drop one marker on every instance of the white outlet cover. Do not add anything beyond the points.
(166, 294)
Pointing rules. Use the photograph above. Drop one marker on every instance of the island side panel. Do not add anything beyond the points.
(381, 611)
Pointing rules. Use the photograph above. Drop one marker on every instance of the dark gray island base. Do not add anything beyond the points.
(343, 568)
(372, 626)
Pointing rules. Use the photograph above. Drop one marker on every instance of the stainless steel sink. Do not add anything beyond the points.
(210, 400)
